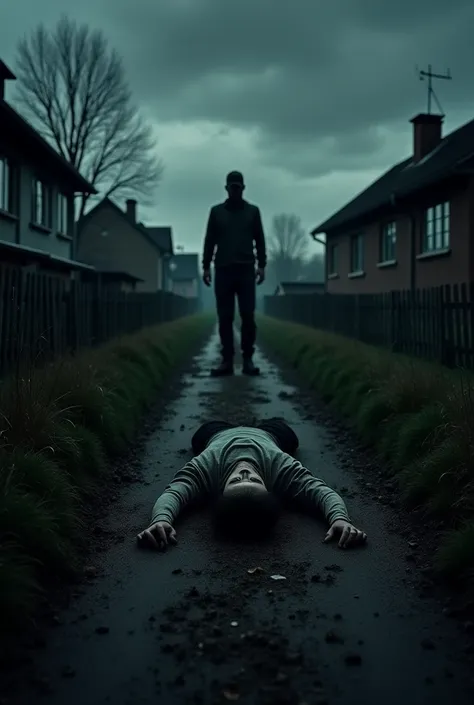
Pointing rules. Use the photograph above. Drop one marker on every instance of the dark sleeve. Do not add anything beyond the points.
(209, 241)
(297, 484)
(259, 239)
(194, 482)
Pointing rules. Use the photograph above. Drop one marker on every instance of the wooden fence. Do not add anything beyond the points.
(43, 316)
(436, 324)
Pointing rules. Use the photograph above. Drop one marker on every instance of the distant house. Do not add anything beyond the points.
(184, 275)
(37, 189)
(113, 241)
(163, 237)
(300, 288)
(114, 279)
(413, 228)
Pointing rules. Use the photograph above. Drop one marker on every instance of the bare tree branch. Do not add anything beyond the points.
(287, 247)
(72, 88)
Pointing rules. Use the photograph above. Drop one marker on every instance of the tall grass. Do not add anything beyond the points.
(59, 426)
(419, 416)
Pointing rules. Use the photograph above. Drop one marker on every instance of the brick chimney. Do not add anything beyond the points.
(132, 210)
(426, 134)
(5, 75)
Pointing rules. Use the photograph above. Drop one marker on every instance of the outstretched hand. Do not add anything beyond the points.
(158, 536)
(346, 532)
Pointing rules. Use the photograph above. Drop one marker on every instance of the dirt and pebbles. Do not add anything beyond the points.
(289, 620)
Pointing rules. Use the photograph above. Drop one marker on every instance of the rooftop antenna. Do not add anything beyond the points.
(431, 94)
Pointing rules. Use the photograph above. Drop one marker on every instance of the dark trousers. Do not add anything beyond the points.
(284, 435)
(231, 281)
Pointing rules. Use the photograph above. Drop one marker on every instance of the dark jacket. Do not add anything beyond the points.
(232, 232)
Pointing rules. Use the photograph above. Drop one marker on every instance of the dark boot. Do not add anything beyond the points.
(248, 368)
(225, 369)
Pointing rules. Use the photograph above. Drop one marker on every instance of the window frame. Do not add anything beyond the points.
(388, 242)
(44, 221)
(6, 186)
(436, 233)
(62, 213)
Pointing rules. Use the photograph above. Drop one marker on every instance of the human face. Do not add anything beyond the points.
(235, 191)
(244, 475)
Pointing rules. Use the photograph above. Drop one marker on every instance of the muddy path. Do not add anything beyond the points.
(289, 621)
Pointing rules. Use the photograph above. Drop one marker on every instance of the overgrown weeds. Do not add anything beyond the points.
(418, 415)
(59, 426)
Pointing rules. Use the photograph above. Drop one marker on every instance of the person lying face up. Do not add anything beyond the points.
(248, 478)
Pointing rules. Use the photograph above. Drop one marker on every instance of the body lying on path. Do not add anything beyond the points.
(248, 472)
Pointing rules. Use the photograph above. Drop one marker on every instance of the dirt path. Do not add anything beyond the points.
(195, 626)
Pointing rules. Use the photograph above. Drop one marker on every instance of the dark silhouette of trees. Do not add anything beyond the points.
(73, 89)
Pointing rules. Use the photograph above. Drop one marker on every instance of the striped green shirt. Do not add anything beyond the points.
(205, 476)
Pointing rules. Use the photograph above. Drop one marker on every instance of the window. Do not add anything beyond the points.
(6, 195)
(40, 211)
(62, 214)
(436, 228)
(332, 260)
(357, 253)
(388, 240)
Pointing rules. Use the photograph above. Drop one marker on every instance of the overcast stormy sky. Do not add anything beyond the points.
(310, 99)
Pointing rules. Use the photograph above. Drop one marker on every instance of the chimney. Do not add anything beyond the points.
(132, 210)
(5, 75)
(426, 134)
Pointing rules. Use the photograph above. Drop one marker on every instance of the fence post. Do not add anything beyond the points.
(448, 328)
(96, 300)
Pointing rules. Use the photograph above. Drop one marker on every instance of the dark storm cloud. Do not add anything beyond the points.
(301, 69)
(309, 77)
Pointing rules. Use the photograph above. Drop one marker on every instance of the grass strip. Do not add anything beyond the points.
(418, 415)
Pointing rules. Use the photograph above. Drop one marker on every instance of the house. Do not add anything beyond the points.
(37, 193)
(113, 240)
(184, 275)
(163, 237)
(113, 279)
(299, 288)
(413, 228)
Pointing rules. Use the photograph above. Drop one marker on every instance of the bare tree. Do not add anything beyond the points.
(287, 247)
(313, 268)
(72, 88)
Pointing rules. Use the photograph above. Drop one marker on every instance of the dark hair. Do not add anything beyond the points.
(246, 514)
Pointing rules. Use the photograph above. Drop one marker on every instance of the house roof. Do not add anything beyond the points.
(139, 227)
(119, 274)
(11, 122)
(301, 287)
(451, 156)
(163, 237)
(31, 253)
(184, 267)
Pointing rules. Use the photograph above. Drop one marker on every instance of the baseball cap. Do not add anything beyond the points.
(235, 178)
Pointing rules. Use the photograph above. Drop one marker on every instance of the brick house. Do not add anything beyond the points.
(37, 192)
(114, 241)
(413, 228)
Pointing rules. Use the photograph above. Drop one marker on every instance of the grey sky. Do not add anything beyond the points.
(310, 99)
